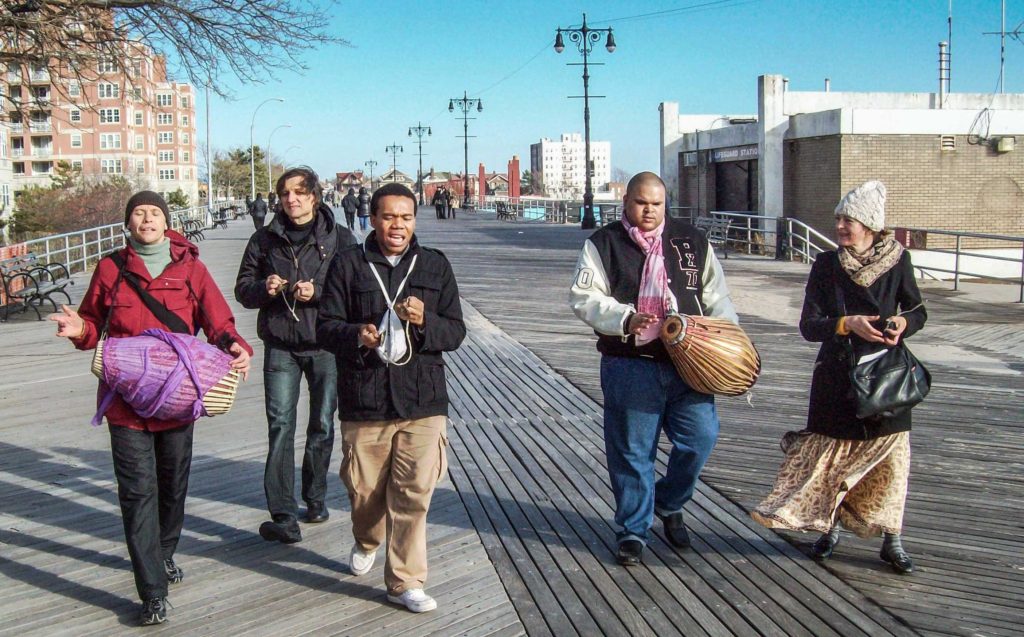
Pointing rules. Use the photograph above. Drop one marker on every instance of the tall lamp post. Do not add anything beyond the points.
(465, 104)
(419, 130)
(270, 179)
(370, 164)
(585, 38)
(393, 149)
(252, 146)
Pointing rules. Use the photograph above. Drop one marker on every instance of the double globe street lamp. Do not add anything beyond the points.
(252, 146)
(585, 38)
(465, 104)
(420, 130)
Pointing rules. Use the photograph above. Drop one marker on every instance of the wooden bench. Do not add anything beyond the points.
(506, 212)
(716, 228)
(29, 282)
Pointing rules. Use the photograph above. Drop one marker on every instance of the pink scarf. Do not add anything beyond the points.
(653, 297)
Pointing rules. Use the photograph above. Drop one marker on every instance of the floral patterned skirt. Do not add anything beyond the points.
(860, 483)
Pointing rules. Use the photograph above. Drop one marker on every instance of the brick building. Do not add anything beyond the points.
(102, 123)
(954, 167)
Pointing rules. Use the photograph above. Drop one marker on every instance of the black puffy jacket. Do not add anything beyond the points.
(369, 389)
(270, 252)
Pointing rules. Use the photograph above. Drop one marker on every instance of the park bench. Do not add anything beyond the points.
(716, 228)
(506, 212)
(29, 282)
(193, 229)
(220, 218)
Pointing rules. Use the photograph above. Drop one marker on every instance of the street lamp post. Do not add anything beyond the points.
(394, 149)
(252, 146)
(370, 164)
(420, 130)
(270, 179)
(585, 38)
(465, 104)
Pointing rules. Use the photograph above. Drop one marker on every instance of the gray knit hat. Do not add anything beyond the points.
(866, 204)
(146, 198)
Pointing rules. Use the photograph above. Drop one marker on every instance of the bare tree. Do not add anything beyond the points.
(620, 175)
(203, 40)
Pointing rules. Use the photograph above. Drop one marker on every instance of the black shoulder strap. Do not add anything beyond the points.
(163, 314)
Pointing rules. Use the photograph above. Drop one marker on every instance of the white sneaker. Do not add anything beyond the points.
(415, 600)
(360, 563)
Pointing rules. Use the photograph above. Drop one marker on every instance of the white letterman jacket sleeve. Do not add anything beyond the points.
(590, 298)
(715, 299)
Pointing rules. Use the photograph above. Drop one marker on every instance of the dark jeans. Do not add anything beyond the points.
(282, 372)
(258, 221)
(439, 210)
(152, 480)
(350, 220)
(642, 398)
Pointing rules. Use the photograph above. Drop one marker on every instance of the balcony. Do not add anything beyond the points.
(40, 127)
(13, 77)
(40, 77)
(17, 152)
(16, 127)
(42, 152)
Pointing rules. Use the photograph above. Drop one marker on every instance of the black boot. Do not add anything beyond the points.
(893, 553)
(822, 549)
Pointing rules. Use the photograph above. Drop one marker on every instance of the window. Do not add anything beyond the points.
(76, 164)
(186, 157)
(185, 138)
(136, 68)
(140, 143)
(108, 90)
(184, 102)
(184, 120)
(76, 115)
(164, 99)
(110, 140)
(76, 140)
(18, 167)
(138, 118)
(42, 167)
(105, 66)
(110, 166)
(110, 115)
(137, 94)
(164, 119)
(166, 174)
(165, 138)
(5, 195)
(165, 156)
(140, 166)
(188, 174)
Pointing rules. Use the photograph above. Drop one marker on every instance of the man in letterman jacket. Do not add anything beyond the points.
(629, 275)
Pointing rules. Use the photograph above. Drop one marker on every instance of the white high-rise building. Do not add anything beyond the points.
(560, 165)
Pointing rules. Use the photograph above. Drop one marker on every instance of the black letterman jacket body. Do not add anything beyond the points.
(604, 293)
(270, 252)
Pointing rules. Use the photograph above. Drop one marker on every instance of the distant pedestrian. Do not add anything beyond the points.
(449, 203)
(842, 469)
(439, 202)
(364, 209)
(272, 202)
(248, 205)
(350, 205)
(259, 211)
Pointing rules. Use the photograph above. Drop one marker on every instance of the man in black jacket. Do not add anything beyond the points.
(259, 211)
(390, 308)
(282, 273)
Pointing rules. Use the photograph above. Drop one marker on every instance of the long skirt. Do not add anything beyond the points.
(860, 483)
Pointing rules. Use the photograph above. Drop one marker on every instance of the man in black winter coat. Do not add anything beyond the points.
(350, 204)
(282, 274)
(390, 309)
(259, 211)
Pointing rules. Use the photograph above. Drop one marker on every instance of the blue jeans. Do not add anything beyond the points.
(364, 223)
(282, 372)
(643, 397)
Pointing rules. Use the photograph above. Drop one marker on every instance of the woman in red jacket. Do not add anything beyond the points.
(152, 457)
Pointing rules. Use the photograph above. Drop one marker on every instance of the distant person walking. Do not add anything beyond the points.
(350, 205)
(259, 211)
(364, 209)
(439, 202)
(449, 203)
(841, 469)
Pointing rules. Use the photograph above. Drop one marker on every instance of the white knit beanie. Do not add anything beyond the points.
(866, 204)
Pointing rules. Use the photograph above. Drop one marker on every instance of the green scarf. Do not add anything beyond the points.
(156, 256)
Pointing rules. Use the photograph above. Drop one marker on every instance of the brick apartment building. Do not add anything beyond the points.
(950, 162)
(143, 129)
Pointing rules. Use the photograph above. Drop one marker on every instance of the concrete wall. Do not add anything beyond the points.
(812, 181)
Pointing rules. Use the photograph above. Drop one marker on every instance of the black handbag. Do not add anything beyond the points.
(888, 385)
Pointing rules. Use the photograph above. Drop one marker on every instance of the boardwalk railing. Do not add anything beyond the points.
(81, 249)
(549, 210)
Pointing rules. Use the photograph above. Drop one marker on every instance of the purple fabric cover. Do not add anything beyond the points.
(161, 374)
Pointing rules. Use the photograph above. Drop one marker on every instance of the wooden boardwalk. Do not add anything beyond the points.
(520, 536)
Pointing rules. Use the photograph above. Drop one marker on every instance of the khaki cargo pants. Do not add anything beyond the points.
(390, 468)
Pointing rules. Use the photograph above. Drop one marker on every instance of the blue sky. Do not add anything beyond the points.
(407, 59)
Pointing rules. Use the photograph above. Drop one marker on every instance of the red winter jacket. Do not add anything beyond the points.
(129, 317)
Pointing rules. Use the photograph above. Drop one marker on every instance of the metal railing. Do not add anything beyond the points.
(550, 210)
(961, 255)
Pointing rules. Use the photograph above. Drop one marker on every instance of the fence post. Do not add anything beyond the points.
(781, 239)
(956, 266)
(1020, 299)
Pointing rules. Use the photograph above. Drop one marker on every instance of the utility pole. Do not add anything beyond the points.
(419, 130)
(370, 164)
(394, 149)
(465, 104)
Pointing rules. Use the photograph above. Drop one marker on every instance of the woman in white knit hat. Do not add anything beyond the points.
(841, 469)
